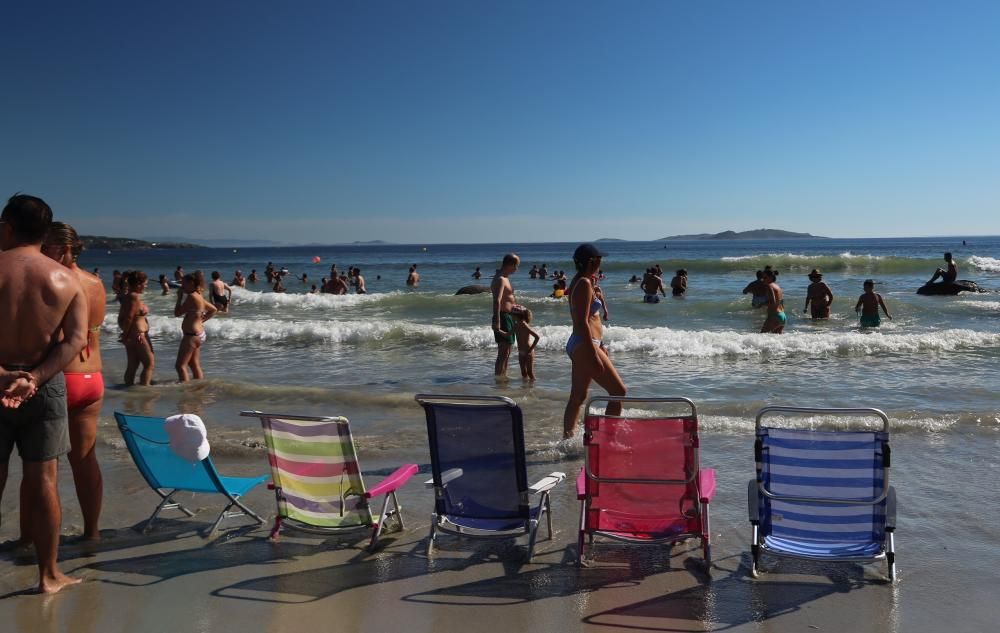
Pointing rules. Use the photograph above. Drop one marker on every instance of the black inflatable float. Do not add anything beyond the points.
(953, 288)
(472, 290)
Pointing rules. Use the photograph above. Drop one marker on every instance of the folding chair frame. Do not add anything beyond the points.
(755, 486)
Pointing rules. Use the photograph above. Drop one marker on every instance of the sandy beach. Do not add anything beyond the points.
(174, 580)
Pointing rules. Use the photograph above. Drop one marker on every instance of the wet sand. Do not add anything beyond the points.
(174, 580)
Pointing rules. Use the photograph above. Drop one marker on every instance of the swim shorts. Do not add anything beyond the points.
(39, 427)
(758, 301)
(678, 292)
(820, 313)
(83, 390)
(653, 298)
(507, 325)
(870, 320)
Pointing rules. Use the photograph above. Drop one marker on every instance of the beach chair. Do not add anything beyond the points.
(317, 480)
(479, 474)
(168, 474)
(642, 480)
(822, 495)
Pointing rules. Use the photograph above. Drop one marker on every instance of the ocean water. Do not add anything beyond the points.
(933, 368)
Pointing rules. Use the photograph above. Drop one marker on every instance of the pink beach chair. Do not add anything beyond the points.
(642, 481)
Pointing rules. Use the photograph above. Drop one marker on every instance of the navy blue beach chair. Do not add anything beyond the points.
(479, 473)
(822, 495)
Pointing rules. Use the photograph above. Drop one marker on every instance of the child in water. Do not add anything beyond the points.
(868, 304)
(525, 347)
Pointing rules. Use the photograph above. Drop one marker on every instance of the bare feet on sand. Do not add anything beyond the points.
(52, 583)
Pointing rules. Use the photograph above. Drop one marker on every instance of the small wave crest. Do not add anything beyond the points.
(985, 264)
(658, 341)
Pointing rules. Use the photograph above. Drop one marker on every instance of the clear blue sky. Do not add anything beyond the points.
(466, 120)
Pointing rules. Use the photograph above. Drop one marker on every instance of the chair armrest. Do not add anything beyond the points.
(706, 484)
(393, 482)
(581, 485)
(546, 483)
(449, 475)
(890, 509)
(753, 509)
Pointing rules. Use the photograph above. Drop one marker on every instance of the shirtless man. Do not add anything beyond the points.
(220, 292)
(239, 279)
(413, 277)
(819, 294)
(776, 318)
(359, 282)
(947, 276)
(651, 285)
(503, 305)
(44, 312)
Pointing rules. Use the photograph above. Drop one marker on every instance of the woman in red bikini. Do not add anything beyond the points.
(191, 305)
(135, 329)
(84, 383)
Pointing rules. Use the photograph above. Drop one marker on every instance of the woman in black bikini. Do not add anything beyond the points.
(191, 305)
(135, 329)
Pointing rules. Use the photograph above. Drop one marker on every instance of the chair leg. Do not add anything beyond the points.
(532, 535)
(548, 514)
(706, 536)
(383, 517)
(755, 552)
(243, 511)
(890, 556)
(167, 503)
(399, 510)
(276, 530)
(581, 533)
(433, 535)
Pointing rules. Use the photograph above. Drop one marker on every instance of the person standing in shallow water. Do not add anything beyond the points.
(819, 294)
(191, 305)
(132, 319)
(503, 306)
(776, 317)
(44, 312)
(585, 347)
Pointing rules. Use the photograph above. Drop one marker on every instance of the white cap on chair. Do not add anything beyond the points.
(188, 437)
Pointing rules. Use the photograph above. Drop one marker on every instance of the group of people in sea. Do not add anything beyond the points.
(653, 287)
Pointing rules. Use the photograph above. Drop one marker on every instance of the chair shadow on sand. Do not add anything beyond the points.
(366, 569)
(716, 603)
(223, 552)
(736, 599)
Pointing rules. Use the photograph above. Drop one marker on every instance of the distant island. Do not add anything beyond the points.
(610, 239)
(102, 243)
(756, 234)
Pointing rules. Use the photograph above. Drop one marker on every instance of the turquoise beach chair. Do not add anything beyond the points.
(822, 495)
(168, 474)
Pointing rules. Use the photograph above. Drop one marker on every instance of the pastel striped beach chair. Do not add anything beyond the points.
(317, 481)
(822, 495)
(167, 474)
(479, 470)
(642, 480)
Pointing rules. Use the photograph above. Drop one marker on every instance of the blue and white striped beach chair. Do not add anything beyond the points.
(822, 495)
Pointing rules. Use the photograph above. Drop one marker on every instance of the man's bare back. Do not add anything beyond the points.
(39, 299)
